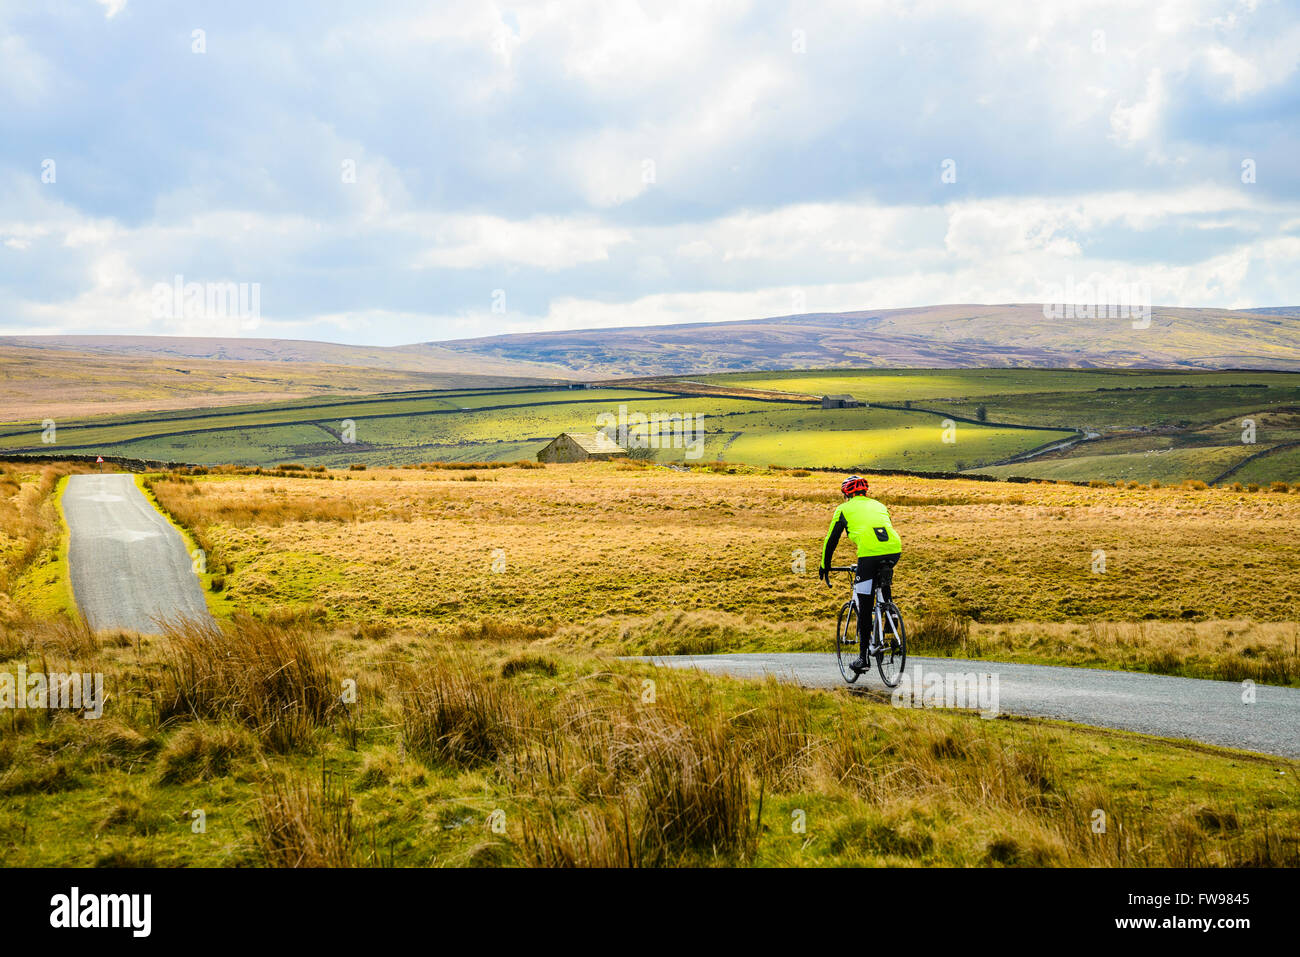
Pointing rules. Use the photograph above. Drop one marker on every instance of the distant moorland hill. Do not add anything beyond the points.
(41, 375)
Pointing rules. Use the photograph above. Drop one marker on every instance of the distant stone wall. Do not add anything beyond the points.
(131, 465)
(964, 476)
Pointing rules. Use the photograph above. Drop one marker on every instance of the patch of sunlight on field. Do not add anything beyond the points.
(899, 385)
(1163, 464)
(1138, 408)
(260, 446)
(556, 395)
(918, 446)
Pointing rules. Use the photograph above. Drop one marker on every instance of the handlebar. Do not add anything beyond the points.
(843, 568)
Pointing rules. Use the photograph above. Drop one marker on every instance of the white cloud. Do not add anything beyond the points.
(1267, 62)
(1139, 121)
(467, 242)
(513, 142)
(25, 75)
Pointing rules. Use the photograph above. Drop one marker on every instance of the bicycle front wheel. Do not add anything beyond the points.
(846, 641)
(891, 659)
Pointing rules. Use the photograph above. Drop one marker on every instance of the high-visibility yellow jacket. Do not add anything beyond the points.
(869, 528)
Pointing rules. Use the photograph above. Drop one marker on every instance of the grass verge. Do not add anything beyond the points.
(458, 751)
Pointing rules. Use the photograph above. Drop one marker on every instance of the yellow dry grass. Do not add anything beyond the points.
(30, 539)
(575, 545)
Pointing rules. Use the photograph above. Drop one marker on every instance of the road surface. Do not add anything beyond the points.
(1207, 711)
(128, 565)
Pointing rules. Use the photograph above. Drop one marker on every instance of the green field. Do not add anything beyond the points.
(113, 429)
(507, 425)
(918, 445)
(1147, 425)
(1164, 465)
(1177, 407)
(1143, 425)
(1284, 462)
(897, 385)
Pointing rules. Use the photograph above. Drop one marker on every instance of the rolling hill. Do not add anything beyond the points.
(952, 336)
(69, 377)
(959, 336)
(59, 376)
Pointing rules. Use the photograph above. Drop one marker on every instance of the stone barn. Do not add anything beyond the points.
(839, 402)
(581, 447)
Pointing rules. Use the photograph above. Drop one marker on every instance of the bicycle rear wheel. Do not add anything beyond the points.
(891, 659)
(846, 641)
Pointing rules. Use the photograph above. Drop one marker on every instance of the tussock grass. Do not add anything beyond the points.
(600, 836)
(695, 633)
(452, 711)
(617, 786)
(372, 631)
(1033, 809)
(940, 631)
(58, 752)
(50, 778)
(62, 637)
(778, 736)
(202, 751)
(1265, 652)
(276, 681)
(596, 762)
(623, 784)
(23, 526)
(522, 664)
(695, 784)
(300, 825)
(500, 630)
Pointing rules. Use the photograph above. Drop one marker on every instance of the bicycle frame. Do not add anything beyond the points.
(876, 637)
(886, 655)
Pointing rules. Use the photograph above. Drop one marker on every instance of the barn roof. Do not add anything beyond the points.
(847, 398)
(594, 442)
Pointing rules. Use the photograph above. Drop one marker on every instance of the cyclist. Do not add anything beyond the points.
(879, 548)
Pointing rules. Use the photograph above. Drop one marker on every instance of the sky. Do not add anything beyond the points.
(389, 172)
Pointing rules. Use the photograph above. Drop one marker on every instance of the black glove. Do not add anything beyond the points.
(825, 576)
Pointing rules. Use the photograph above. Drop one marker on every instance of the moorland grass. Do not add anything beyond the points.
(588, 760)
(659, 562)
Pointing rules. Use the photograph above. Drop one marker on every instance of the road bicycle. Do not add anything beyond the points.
(888, 645)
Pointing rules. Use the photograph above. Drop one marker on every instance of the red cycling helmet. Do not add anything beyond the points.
(854, 485)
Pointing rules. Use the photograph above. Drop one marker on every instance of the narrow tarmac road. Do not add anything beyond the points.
(1208, 711)
(129, 567)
